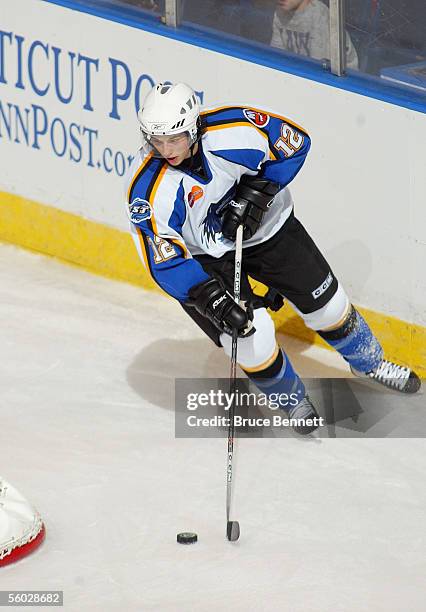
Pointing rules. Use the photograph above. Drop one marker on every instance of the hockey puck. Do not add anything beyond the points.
(187, 538)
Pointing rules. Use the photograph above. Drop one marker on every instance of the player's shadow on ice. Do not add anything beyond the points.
(355, 410)
(153, 371)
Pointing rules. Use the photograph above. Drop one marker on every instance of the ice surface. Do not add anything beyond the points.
(87, 435)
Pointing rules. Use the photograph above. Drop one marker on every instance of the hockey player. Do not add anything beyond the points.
(197, 176)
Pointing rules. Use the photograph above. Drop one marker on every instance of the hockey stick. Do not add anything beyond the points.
(233, 527)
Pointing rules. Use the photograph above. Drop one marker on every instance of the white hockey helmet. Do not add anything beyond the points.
(168, 110)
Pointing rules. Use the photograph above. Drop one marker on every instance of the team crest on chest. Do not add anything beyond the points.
(258, 119)
(140, 210)
(195, 194)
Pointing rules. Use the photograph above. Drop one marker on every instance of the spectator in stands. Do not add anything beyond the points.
(303, 27)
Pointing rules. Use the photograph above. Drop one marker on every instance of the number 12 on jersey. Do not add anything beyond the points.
(162, 249)
(290, 141)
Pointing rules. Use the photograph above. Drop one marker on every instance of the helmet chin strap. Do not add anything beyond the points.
(191, 161)
(195, 143)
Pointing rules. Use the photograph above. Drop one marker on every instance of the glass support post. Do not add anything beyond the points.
(173, 16)
(337, 37)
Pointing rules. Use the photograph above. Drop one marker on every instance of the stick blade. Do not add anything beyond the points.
(233, 531)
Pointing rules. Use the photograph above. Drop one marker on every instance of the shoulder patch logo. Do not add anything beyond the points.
(195, 194)
(258, 119)
(140, 210)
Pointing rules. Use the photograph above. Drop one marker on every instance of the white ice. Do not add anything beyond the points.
(87, 435)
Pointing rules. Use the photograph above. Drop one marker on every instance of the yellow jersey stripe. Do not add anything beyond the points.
(132, 182)
(181, 245)
(241, 124)
(153, 194)
(143, 249)
(259, 110)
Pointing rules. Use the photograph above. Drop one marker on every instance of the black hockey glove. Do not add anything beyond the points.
(252, 199)
(213, 301)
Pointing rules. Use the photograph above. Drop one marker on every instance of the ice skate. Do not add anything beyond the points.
(304, 411)
(392, 376)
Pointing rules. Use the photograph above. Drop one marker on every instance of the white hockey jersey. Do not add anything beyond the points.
(175, 213)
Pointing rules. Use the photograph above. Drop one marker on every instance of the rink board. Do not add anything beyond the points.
(112, 253)
(68, 130)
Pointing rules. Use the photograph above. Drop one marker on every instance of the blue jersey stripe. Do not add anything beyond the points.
(250, 158)
(144, 181)
(178, 216)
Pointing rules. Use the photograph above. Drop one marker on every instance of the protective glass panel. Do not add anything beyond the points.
(250, 19)
(146, 7)
(390, 39)
(293, 27)
(302, 27)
